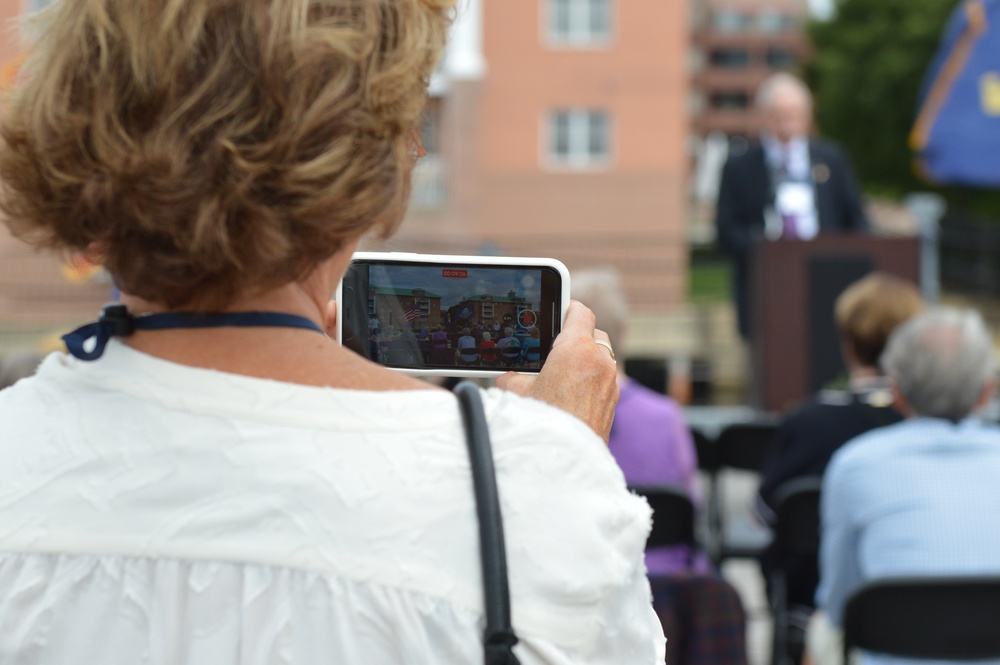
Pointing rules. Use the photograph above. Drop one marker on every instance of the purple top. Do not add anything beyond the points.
(652, 444)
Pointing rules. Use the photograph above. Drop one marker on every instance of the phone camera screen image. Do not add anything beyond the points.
(427, 316)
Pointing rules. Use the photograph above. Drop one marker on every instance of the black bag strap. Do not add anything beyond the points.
(499, 638)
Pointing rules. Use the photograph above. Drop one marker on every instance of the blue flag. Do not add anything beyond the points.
(957, 131)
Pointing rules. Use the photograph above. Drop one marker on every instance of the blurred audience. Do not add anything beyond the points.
(866, 314)
(650, 439)
(918, 498)
(702, 614)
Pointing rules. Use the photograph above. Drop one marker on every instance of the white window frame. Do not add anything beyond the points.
(580, 33)
(579, 156)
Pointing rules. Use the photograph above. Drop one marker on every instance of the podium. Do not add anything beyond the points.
(794, 285)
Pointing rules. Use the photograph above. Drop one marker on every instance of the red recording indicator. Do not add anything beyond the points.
(450, 272)
(527, 318)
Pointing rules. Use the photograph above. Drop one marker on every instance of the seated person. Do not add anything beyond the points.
(466, 352)
(439, 356)
(918, 498)
(650, 439)
(510, 347)
(866, 313)
(531, 347)
(488, 343)
(424, 341)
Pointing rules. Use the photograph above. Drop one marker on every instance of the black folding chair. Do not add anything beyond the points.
(673, 515)
(510, 356)
(704, 447)
(939, 618)
(742, 447)
(796, 534)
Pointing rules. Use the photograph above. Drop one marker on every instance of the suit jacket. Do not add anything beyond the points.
(745, 191)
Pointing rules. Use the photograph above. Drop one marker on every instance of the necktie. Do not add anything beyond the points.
(788, 221)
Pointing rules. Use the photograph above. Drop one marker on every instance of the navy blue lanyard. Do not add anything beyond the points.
(115, 321)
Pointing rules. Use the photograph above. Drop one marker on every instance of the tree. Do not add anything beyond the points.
(869, 67)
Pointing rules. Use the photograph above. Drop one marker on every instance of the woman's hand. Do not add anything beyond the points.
(579, 375)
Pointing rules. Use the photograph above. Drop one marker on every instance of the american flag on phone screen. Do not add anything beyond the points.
(412, 314)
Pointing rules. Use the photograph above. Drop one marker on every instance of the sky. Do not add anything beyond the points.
(821, 8)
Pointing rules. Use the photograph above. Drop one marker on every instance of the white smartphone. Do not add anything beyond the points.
(439, 315)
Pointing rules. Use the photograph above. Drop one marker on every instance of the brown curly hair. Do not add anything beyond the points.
(202, 149)
(870, 309)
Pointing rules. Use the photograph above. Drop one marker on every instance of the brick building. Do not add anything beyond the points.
(558, 128)
(487, 309)
(396, 307)
(736, 44)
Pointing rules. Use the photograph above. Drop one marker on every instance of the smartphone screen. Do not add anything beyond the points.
(436, 316)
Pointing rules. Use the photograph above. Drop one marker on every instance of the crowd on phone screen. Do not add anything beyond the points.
(471, 344)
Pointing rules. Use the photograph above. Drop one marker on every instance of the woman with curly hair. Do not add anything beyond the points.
(208, 478)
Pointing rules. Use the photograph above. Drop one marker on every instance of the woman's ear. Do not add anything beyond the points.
(330, 325)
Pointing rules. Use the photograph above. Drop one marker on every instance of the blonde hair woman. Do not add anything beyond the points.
(212, 479)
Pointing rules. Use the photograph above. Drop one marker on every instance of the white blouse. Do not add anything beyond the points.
(161, 514)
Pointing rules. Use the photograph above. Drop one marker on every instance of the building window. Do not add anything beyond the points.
(579, 138)
(696, 102)
(772, 21)
(728, 101)
(730, 58)
(729, 21)
(780, 58)
(579, 22)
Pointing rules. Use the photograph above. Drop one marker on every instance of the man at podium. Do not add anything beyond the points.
(789, 186)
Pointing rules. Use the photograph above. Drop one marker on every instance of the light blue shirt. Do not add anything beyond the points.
(918, 498)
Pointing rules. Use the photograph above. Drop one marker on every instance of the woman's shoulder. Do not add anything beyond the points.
(518, 423)
(575, 533)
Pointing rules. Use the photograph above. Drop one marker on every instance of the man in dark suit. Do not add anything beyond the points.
(789, 186)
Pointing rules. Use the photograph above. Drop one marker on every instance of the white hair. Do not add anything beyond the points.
(941, 361)
(601, 290)
(781, 81)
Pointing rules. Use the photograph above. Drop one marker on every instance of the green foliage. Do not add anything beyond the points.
(709, 278)
(869, 65)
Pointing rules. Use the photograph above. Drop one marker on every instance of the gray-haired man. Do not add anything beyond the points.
(918, 498)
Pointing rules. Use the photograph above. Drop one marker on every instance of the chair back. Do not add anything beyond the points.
(740, 447)
(510, 355)
(673, 515)
(939, 618)
(745, 445)
(468, 355)
(797, 525)
(704, 447)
